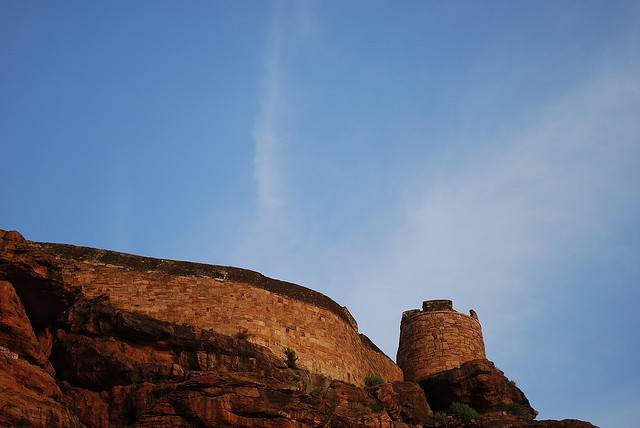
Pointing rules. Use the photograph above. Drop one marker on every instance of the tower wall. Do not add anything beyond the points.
(437, 338)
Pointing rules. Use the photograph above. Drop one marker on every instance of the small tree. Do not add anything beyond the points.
(516, 409)
(441, 418)
(375, 406)
(373, 380)
(463, 411)
(292, 358)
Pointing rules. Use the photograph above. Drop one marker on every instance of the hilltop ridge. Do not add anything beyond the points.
(94, 338)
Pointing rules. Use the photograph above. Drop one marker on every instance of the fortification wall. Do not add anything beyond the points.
(437, 338)
(276, 314)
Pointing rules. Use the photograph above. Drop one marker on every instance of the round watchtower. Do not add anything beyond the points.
(437, 338)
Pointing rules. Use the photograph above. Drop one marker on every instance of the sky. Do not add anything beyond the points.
(381, 153)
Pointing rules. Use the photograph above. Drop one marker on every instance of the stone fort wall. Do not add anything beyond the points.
(276, 314)
(437, 338)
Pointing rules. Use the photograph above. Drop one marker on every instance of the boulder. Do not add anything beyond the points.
(29, 396)
(16, 332)
(479, 384)
(404, 401)
(91, 408)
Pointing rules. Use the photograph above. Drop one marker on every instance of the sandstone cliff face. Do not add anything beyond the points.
(72, 360)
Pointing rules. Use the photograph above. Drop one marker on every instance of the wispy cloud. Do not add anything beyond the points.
(272, 235)
(287, 26)
(492, 230)
(478, 231)
(496, 228)
(267, 137)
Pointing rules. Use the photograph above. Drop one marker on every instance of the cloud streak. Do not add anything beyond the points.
(477, 230)
(273, 234)
(267, 138)
(502, 228)
(493, 230)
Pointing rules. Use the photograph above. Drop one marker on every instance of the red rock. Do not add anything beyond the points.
(404, 401)
(509, 421)
(12, 235)
(91, 408)
(16, 332)
(45, 340)
(29, 396)
(477, 383)
(565, 423)
(101, 363)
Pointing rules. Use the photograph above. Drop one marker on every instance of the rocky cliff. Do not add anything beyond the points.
(68, 359)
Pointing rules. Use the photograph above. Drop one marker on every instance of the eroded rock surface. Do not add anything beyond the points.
(16, 332)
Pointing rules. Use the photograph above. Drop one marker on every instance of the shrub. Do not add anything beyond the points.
(373, 380)
(292, 358)
(516, 409)
(441, 418)
(316, 391)
(243, 334)
(463, 411)
(375, 406)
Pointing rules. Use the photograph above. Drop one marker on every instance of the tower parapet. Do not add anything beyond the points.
(437, 338)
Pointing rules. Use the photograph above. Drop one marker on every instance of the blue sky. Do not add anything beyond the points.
(380, 153)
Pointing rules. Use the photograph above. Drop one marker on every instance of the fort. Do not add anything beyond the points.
(97, 338)
(274, 313)
(436, 339)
